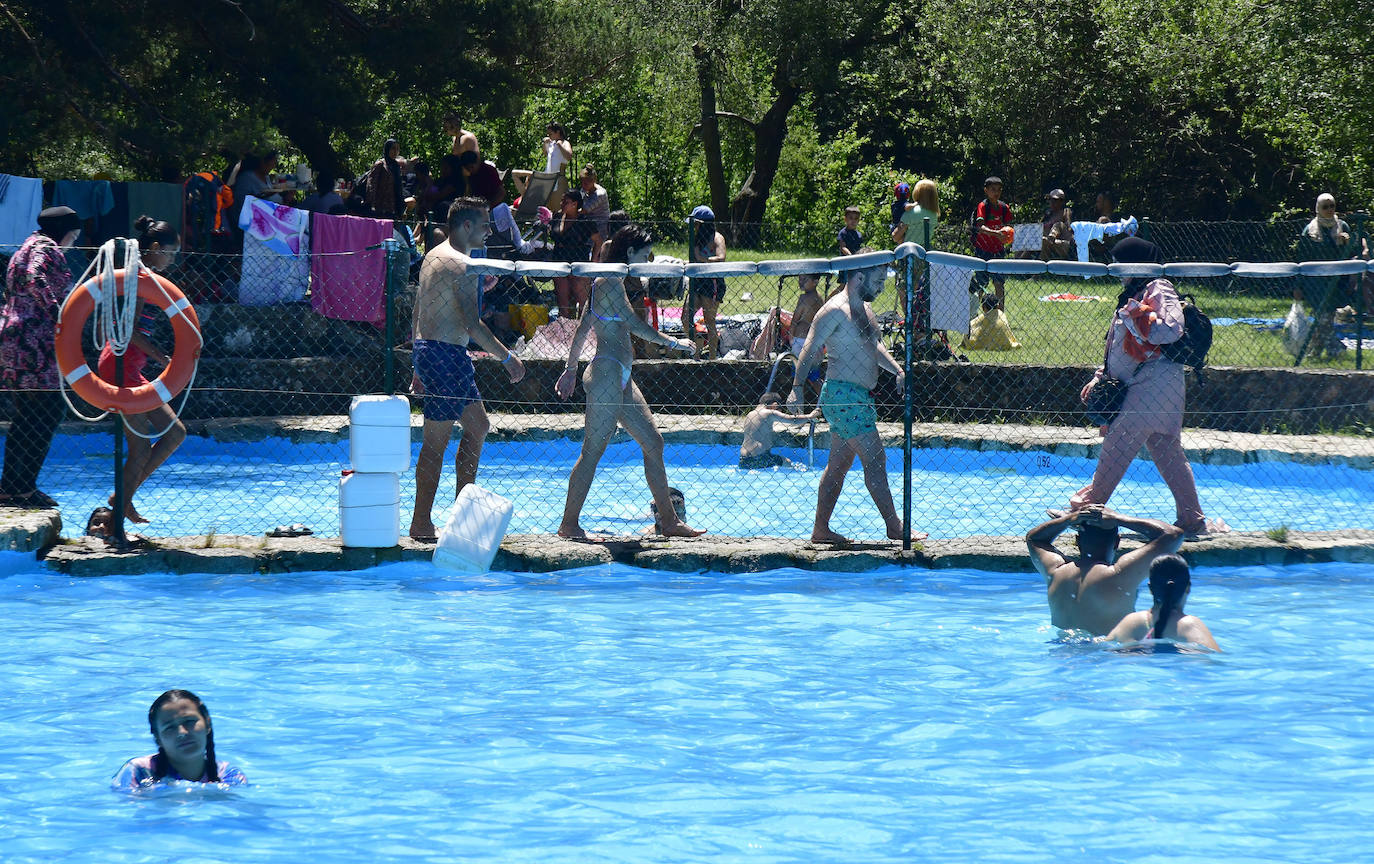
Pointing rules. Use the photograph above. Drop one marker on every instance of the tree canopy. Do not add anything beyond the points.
(771, 110)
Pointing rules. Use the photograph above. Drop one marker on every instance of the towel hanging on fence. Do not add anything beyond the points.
(348, 281)
(89, 198)
(19, 210)
(949, 297)
(276, 253)
(1028, 238)
(162, 201)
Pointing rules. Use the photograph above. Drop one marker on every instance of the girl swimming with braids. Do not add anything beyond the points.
(180, 724)
(1170, 583)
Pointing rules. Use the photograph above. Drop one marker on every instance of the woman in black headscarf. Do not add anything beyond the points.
(385, 194)
(35, 285)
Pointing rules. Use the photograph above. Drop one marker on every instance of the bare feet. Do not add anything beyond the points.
(916, 536)
(825, 535)
(573, 532)
(130, 513)
(423, 532)
(681, 529)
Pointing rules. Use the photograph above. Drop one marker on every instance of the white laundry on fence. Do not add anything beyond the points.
(949, 297)
(1029, 237)
(1084, 232)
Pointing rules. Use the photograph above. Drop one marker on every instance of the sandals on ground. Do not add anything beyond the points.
(296, 529)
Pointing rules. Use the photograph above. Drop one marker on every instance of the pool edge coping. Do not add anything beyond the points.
(540, 553)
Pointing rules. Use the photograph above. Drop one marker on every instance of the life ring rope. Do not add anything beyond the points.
(101, 294)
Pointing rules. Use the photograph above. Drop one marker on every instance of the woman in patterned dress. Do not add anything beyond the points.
(35, 285)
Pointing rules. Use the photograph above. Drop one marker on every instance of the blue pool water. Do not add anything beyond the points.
(407, 714)
(249, 488)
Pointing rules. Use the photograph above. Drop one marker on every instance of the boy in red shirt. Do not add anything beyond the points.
(989, 218)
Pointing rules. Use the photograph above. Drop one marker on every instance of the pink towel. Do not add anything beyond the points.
(347, 282)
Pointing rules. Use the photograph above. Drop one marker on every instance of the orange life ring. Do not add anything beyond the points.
(71, 360)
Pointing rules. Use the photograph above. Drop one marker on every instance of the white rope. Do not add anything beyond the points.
(114, 312)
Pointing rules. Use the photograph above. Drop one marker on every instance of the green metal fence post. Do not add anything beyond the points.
(397, 267)
(910, 332)
(1358, 221)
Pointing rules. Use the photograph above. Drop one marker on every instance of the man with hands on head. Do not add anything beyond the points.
(1095, 590)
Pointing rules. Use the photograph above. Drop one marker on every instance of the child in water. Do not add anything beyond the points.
(757, 449)
(185, 738)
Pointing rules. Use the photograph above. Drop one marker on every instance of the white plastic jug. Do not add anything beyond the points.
(370, 509)
(379, 434)
(474, 531)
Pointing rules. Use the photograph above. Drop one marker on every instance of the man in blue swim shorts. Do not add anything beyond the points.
(446, 320)
(847, 331)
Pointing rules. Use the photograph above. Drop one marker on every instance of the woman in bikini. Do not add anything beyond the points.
(612, 396)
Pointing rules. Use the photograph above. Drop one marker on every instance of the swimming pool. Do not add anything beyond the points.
(248, 488)
(407, 714)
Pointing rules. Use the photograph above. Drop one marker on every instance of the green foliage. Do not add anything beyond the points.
(155, 88)
(1200, 109)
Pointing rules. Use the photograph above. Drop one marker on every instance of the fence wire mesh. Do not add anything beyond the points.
(999, 430)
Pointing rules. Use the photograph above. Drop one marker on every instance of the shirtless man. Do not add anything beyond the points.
(446, 321)
(1094, 591)
(847, 330)
(808, 304)
(463, 140)
(757, 449)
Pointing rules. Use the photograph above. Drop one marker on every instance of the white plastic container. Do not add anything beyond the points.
(474, 531)
(379, 434)
(370, 509)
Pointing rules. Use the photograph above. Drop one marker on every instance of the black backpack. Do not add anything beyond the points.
(1192, 347)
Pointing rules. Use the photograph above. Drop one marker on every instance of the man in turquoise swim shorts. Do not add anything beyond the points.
(847, 331)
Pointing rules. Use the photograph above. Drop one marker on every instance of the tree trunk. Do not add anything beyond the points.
(710, 128)
(752, 199)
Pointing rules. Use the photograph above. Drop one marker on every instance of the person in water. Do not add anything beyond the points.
(1096, 590)
(185, 738)
(1170, 584)
(679, 500)
(757, 449)
(612, 396)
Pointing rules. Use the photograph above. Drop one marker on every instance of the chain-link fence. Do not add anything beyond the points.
(999, 430)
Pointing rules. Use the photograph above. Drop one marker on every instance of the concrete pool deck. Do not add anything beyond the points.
(41, 532)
